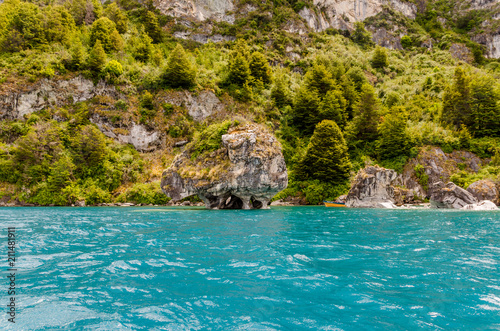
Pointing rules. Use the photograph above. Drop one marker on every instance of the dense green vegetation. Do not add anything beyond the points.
(337, 103)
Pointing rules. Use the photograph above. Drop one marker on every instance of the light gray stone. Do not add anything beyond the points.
(450, 196)
(372, 188)
(483, 205)
(247, 171)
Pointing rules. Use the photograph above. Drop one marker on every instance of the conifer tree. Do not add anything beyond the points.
(152, 27)
(379, 59)
(485, 112)
(333, 107)
(279, 93)
(142, 47)
(456, 101)
(259, 67)
(327, 157)
(320, 79)
(114, 13)
(116, 41)
(362, 37)
(103, 29)
(305, 109)
(97, 58)
(366, 115)
(394, 140)
(179, 72)
(239, 69)
(78, 55)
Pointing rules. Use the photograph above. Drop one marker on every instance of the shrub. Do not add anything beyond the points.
(179, 72)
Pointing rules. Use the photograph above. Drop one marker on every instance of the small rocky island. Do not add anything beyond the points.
(244, 172)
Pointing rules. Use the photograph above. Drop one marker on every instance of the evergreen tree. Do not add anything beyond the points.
(259, 68)
(179, 72)
(114, 13)
(97, 58)
(103, 30)
(142, 47)
(327, 157)
(456, 101)
(362, 37)
(58, 24)
(25, 29)
(152, 27)
(394, 140)
(239, 69)
(484, 107)
(379, 59)
(333, 107)
(279, 93)
(320, 79)
(366, 115)
(116, 40)
(305, 109)
(78, 55)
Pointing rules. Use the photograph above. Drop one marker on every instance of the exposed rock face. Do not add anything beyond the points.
(143, 139)
(197, 9)
(437, 166)
(20, 101)
(483, 205)
(450, 196)
(200, 106)
(372, 188)
(245, 173)
(484, 190)
(339, 14)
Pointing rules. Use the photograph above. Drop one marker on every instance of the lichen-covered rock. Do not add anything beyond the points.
(435, 166)
(484, 190)
(18, 101)
(372, 188)
(245, 173)
(483, 205)
(450, 196)
(200, 106)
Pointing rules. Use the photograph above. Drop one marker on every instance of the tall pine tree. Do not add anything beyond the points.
(180, 72)
(327, 157)
(485, 112)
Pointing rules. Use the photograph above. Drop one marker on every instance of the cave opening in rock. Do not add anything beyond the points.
(256, 204)
(233, 202)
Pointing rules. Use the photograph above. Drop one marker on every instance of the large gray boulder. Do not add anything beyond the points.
(484, 190)
(450, 196)
(372, 188)
(245, 173)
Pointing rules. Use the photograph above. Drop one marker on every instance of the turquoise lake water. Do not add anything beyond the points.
(288, 268)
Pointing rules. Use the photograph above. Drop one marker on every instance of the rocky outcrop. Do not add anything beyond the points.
(200, 10)
(432, 165)
(18, 101)
(484, 190)
(340, 14)
(142, 138)
(483, 205)
(245, 173)
(200, 105)
(450, 196)
(372, 188)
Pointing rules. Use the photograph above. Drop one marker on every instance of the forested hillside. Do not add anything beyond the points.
(335, 99)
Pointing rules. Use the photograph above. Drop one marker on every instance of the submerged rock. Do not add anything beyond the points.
(244, 173)
(450, 196)
(484, 190)
(372, 188)
(483, 205)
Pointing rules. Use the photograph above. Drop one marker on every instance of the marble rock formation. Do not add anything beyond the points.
(484, 190)
(372, 188)
(450, 196)
(245, 173)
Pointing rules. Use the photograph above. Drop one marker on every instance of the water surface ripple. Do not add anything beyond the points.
(289, 268)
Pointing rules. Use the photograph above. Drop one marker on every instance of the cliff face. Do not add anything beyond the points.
(324, 14)
(340, 14)
(245, 173)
